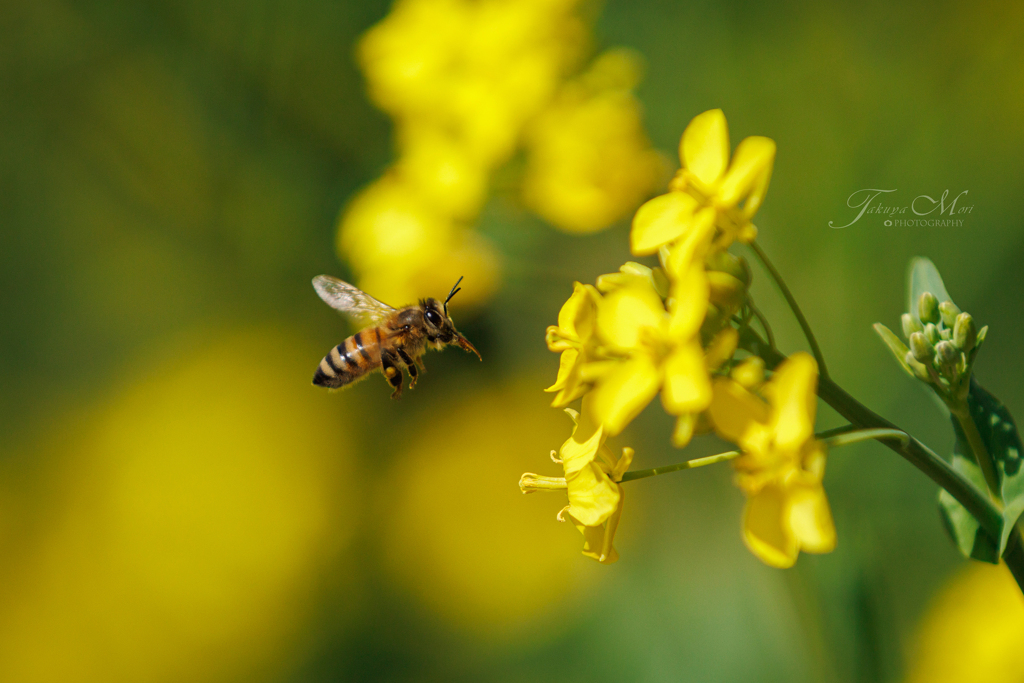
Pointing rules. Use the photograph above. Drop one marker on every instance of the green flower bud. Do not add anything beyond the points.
(931, 333)
(946, 333)
(965, 333)
(947, 353)
(948, 311)
(922, 351)
(910, 325)
(928, 308)
(734, 265)
(919, 369)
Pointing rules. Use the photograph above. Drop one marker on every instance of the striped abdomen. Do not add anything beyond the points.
(350, 360)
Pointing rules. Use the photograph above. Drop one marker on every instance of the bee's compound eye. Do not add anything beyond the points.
(433, 318)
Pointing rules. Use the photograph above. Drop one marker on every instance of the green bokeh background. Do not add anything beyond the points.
(172, 171)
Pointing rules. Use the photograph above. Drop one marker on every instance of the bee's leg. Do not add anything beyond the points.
(410, 365)
(392, 373)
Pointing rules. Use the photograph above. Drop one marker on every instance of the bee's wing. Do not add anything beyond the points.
(351, 300)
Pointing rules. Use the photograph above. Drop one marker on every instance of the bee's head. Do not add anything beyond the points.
(440, 328)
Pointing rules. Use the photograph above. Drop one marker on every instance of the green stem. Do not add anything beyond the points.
(841, 437)
(857, 435)
(981, 454)
(687, 465)
(788, 295)
(835, 431)
(920, 456)
(764, 321)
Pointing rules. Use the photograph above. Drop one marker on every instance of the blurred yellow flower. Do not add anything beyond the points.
(402, 248)
(573, 337)
(589, 160)
(181, 528)
(463, 81)
(388, 225)
(973, 632)
(479, 70)
(591, 481)
(708, 189)
(782, 465)
(443, 173)
(454, 532)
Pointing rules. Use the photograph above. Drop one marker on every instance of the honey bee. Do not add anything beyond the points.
(392, 339)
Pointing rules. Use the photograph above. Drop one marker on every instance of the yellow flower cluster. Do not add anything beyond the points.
(642, 331)
(668, 330)
(589, 162)
(464, 80)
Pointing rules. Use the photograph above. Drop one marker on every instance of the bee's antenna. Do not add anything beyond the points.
(455, 290)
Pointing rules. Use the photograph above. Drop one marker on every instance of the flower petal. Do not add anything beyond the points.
(557, 341)
(749, 174)
(569, 394)
(593, 496)
(629, 273)
(580, 449)
(794, 402)
(750, 373)
(566, 364)
(813, 461)
(687, 385)
(689, 306)
(576, 316)
(735, 411)
(598, 539)
(660, 221)
(721, 348)
(810, 519)
(704, 148)
(569, 384)
(765, 531)
(623, 464)
(625, 312)
(624, 392)
(683, 431)
(694, 245)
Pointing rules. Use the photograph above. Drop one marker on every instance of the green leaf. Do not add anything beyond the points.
(923, 276)
(999, 432)
(1001, 438)
(970, 538)
(895, 344)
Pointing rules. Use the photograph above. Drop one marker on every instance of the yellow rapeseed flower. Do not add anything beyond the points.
(647, 354)
(782, 465)
(708, 189)
(589, 162)
(574, 338)
(591, 481)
